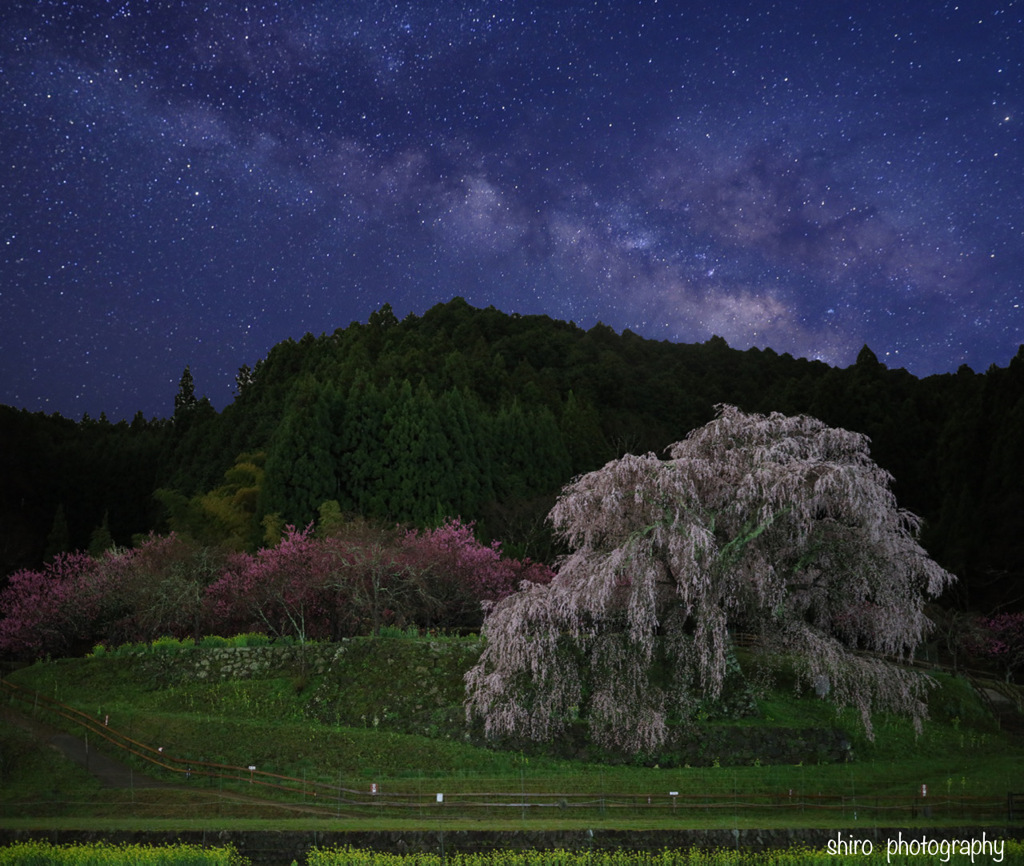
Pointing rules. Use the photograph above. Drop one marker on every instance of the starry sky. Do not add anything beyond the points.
(189, 183)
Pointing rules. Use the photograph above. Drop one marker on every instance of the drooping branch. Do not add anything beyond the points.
(782, 526)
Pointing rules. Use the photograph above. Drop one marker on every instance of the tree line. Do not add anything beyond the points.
(483, 415)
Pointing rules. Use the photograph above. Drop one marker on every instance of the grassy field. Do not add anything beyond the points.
(369, 771)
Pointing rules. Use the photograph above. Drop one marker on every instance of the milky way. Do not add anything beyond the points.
(191, 183)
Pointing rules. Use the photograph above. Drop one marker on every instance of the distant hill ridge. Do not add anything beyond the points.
(485, 415)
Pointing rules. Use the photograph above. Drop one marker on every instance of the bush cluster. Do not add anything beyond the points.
(169, 590)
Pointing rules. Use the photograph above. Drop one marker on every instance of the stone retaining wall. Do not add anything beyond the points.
(244, 663)
(416, 687)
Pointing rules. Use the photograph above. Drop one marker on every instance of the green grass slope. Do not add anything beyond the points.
(373, 729)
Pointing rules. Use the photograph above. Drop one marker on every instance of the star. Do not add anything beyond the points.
(191, 185)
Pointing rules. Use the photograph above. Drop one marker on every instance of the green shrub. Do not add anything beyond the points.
(128, 649)
(393, 631)
(250, 639)
(166, 643)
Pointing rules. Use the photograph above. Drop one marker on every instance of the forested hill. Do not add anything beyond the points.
(485, 415)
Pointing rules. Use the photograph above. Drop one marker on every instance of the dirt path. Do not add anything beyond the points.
(110, 772)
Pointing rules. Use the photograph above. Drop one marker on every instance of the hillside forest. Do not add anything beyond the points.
(478, 416)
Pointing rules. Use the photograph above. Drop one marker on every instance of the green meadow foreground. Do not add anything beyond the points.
(378, 741)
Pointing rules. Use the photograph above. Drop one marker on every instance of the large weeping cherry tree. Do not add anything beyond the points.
(776, 526)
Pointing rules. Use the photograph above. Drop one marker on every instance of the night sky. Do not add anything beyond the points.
(189, 183)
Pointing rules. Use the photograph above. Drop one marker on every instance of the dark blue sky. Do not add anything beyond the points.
(193, 182)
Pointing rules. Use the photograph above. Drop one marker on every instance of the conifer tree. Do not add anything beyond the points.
(185, 400)
(59, 539)
(300, 470)
(101, 540)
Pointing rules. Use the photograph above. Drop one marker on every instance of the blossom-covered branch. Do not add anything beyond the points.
(779, 526)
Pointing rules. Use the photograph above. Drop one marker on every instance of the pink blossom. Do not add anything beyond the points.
(774, 525)
(50, 610)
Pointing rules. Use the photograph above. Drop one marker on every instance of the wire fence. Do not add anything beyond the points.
(397, 798)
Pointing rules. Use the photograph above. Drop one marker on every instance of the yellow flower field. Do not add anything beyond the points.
(41, 853)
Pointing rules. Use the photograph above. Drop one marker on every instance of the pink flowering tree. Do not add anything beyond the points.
(462, 576)
(124, 595)
(359, 578)
(281, 590)
(1001, 639)
(777, 526)
(52, 610)
(155, 589)
(381, 583)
